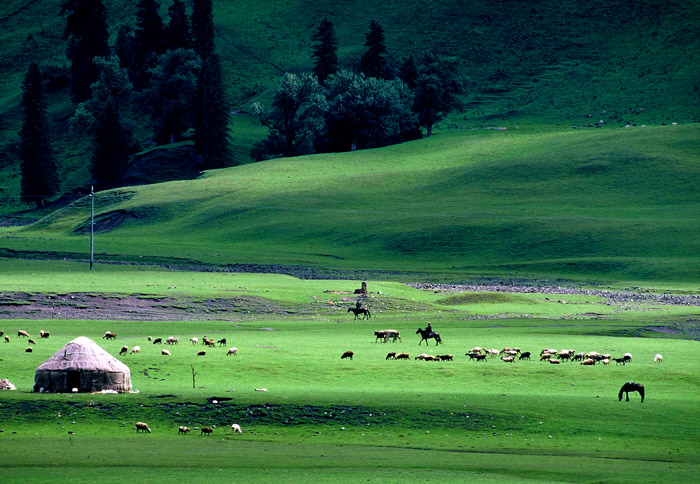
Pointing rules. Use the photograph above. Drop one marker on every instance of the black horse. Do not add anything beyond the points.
(363, 311)
(631, 387)
(426, 335)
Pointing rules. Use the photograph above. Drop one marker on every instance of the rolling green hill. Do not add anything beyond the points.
(615, 205)
(535, 62)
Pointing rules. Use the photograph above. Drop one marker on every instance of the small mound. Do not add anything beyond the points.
(106, 222)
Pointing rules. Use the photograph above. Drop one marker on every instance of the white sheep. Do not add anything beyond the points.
(194, 341)
(135, 350)
(236, 428)
(142, 427)
(165, 352)
(232, 351)
(124, 350)
(658, 358)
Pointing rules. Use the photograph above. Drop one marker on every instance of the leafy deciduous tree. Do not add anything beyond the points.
(368, 112)
(171, 94)
(437, 89)
(86, 31)
(39, 175)
(295, 118)
(325, 51)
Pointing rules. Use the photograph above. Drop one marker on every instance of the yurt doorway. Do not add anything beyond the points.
(73, 380)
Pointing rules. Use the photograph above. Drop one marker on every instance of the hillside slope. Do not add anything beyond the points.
(533, 62)
(600, 204)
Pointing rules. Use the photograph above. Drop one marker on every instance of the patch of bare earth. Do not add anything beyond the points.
(134, 307)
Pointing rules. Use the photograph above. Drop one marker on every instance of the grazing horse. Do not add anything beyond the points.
(426, 335)
(631, 387)
(363, 311)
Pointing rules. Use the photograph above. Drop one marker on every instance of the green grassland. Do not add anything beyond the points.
(323, 418)
(601, 205)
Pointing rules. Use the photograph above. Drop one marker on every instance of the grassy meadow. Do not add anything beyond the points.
(326, 419)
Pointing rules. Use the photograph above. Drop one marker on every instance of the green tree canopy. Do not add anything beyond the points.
(437, 89)
(295, 119)
(374, 62)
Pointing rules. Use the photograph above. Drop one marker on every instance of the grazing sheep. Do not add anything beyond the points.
(347, 354)
(124, 350)
(44, 334)
(109, 335)
(209, 342)
(579, 357)
(150, 338)
(2, 333)
(525, 355)
(31, 341)
(421, 356)
(201, 353)
(22, 332)
(620, 360)
(29, 349)
(392, 334)
(551, 351)
(142, 427)
(402, 356)
(445, 357)
(222, 342)
(588, 362)
(135, 350)
(232, 351)
(554, 361)
(606, 361)
(492, 352)
(505, 350)
(165, 352)
(7, 339)
(658, 358)
(627, 356)
(508, 359)
(391, 356)
(236, 428)
(158, 341)
(172, 340)
(476, 349)
(183, 430)
(207, 431)
(194, 341)
(545, 356)
(481, 357)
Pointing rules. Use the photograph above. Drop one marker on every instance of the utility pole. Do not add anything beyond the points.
(92, 226)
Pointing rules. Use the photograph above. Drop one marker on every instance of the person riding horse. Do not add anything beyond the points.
(429, 330)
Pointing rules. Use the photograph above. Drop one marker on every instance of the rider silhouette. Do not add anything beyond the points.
(429, 329)
(358, 304)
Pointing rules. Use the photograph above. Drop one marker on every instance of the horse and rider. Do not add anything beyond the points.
(427, 334)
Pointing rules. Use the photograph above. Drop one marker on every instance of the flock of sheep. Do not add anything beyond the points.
(142, 427)
(174, 340)
(23, 334)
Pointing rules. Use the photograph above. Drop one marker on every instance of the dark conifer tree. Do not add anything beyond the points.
(111, 148)
(178, 33)
(149, 41)
(211, 133)
(86, 31)
(39, 175)
(373, 61)
(325, 52)
(124, 45)
(408, 72)
(203, 28)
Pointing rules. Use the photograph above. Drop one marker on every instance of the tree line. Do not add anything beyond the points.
(168, 71)
(376, 103)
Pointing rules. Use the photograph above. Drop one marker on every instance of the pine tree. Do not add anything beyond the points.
(211, 132)
(178, 31)
(39, 175)
(149, 41)
(325, 52)
(373, 61)
(111, 148)
(203, 28)
(86, 31)
(408, 72)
